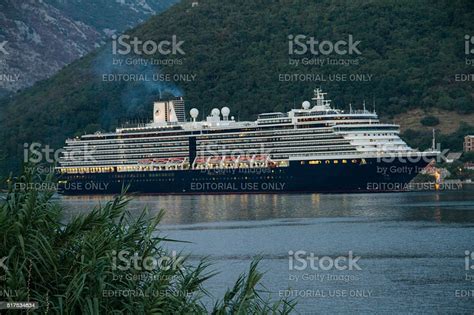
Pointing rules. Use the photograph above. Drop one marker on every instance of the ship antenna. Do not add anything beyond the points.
(433, 145)
(350, 108)
(364, 106)
(373, 101)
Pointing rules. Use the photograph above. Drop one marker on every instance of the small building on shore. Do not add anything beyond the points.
(468, 143)
(453, 156)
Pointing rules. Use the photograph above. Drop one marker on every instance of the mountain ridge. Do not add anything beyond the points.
(44, 36)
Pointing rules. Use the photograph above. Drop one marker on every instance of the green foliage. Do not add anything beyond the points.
(66, 264)
(238, 49)
(422, 139)
(468, 157)
(455, 140)
(457, 171)
(429, 121)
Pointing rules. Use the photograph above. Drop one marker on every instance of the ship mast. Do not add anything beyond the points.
(321, 102)
(319, 97)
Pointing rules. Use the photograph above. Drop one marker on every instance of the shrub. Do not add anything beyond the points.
(69, 268)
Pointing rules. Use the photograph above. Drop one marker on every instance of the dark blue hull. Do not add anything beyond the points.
(330, 176)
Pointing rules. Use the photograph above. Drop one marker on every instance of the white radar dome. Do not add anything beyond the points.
(215, 112)
(194, 113)
(306, 105)
(225, 111)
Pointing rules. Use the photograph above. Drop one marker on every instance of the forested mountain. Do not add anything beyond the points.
(404, 55)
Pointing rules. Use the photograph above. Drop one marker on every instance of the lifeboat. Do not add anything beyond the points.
(161, 161)
(176, 160)
(261, 157)
(215, 159)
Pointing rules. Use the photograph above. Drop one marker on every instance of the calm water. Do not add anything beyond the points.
(411, 245)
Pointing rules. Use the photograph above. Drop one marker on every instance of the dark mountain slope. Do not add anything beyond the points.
(43, 36)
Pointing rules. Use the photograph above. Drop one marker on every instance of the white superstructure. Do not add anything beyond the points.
(315, 132)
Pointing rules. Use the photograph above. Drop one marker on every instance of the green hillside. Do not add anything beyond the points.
(236, 51)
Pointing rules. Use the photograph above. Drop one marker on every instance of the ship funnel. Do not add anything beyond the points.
(171, 111)
(164, 112)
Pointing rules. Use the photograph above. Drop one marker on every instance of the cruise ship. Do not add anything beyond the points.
(316, 148)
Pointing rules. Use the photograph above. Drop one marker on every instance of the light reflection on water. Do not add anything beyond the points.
(411, 244)
(192, 209)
